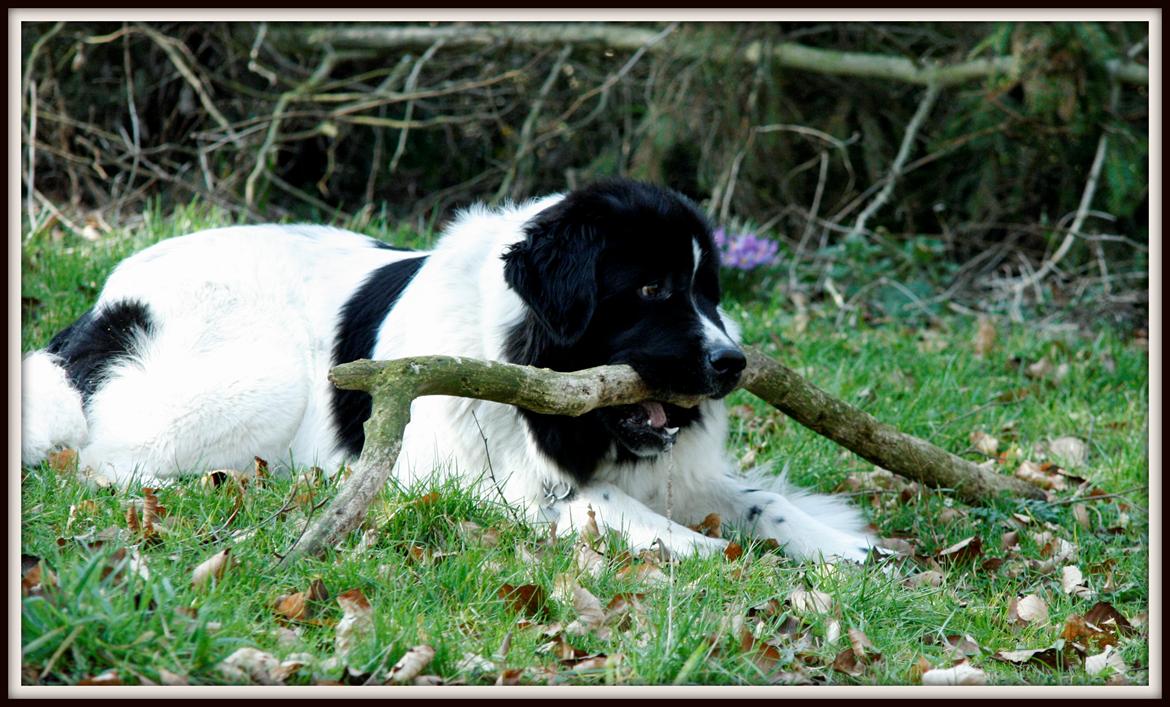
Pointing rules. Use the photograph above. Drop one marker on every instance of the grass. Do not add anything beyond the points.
(430, 582)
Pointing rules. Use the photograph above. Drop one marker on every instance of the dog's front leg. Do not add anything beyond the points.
(808, 526)
(615, 509)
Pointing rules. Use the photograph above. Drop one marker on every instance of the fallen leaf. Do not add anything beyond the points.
(926, 578)
(1028, 610)
(411, 664)
(63, 461)
(959, 647)
(985, 336)
(292, 606)
(1108, 618)
(1071, 450)
(1049, 657)
(1081, 515)
(476, 534)
(810, 602)
(733, 551)
(1040, 369)
(527, 599)
(1072, 581)
(711, 526)
(961, 674)
(984, 443)
(1040, 475)
(861, 646)
(110, 677)
(212, 568)
(357, 622)
(251, 665)
(166, 677)
(1108, 659)
(473, 663)
(590, 615)
(965, 550)
(588, 560)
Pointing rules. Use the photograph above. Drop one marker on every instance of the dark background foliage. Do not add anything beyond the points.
(272, 121)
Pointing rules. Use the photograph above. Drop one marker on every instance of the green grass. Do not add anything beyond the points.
(92, 621)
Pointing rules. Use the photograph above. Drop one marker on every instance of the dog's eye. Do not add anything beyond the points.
(653, 291)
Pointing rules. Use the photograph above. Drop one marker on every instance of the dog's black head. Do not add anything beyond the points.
(622, 272)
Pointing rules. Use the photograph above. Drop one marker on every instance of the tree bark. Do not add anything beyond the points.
(783, 54)
(394, 384)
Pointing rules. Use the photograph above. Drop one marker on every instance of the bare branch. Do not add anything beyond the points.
(784, 54)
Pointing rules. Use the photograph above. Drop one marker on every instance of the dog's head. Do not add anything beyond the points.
(625, 272)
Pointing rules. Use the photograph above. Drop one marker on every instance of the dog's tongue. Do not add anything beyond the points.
(656, 413)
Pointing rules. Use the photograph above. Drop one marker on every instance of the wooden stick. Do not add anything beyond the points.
(394, 384)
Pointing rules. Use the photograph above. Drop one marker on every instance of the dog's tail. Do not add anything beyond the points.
(51, 412)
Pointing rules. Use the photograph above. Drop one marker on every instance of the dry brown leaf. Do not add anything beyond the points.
(1010, 540)
(411, 664)
(961, 674)
(1108, 659)
(984, 443)
(1028, 610)
(1048, 657)
(108, 678)
(965, 550)
(292, 606)
(527, 599)
(152, 512)
(251, 665)
(1040, 369)
(166, 677)
(1070, 450)
(63, 461)
(211, 568)
(1081, 515)
(810, 602)
(1107, 618)
(1041, 475)
(862, 647)
(590, 531)
(474, 663)
(711, 526)
(959, 647)
(588, 560)
(474, 533)
(985, 336)
(357, 622)
(899, 546)
(643, 572)
(733, 551)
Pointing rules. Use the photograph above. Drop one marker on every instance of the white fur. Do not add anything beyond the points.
(236, 367)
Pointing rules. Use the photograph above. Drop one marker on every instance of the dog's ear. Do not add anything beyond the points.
(554, 270)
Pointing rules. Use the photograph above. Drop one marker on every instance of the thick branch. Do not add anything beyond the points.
(784, 54)
(394, 384)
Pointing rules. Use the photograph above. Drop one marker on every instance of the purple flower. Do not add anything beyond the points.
(745, 251)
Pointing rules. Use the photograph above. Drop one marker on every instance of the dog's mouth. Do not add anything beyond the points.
(649, 427)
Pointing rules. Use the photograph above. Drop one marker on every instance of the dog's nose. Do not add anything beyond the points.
(727, 361)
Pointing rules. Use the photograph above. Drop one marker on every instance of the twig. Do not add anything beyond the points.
(524, 144)
(168, 45)
(30, 179)
(1082, 210)
(912, 128)
(132, 107)
(809, 221)
(411, 82)
(261, 165)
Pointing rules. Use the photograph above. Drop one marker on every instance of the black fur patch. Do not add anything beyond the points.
(97, 340)
(356, 334)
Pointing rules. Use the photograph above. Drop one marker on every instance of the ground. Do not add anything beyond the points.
(112, 598)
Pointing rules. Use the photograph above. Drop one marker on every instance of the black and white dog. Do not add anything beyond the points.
(206, 350)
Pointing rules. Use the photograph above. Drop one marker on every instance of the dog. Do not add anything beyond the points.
(206, 350)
